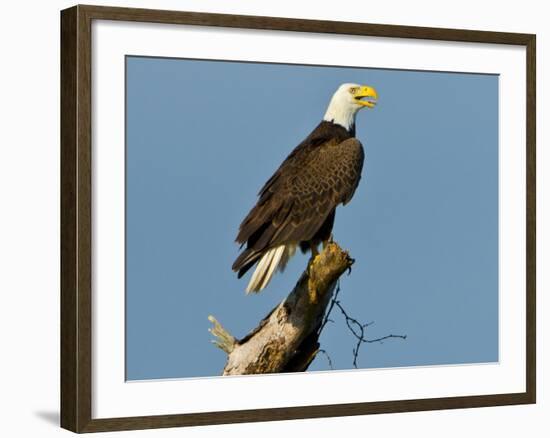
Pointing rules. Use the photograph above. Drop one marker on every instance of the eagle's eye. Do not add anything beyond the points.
(353, 90)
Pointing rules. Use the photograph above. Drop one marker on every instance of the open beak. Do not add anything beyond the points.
(366, 96)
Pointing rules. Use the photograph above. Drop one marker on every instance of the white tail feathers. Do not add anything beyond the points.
(274, 258)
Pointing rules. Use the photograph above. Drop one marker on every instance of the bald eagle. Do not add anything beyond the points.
(296, 206)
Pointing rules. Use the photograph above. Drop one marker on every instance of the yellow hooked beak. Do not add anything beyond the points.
(368, 94)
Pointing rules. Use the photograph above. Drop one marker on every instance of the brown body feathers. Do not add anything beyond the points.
(296, 206)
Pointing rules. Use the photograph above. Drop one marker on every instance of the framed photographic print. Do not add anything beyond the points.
(269, 218)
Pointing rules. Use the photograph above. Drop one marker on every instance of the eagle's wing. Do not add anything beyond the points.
(297, 199)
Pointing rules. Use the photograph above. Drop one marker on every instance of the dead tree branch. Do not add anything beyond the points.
(287, 339)
(355, 327)
(359, 332)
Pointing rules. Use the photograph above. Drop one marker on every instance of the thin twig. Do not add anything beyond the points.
(383, 338)
(328, 358)
(331, 305)
(356, 328)
(359, 331)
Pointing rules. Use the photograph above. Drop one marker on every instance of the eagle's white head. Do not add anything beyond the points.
(346, 101)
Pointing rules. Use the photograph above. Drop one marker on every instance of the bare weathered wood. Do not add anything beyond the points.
(287, 338)
(224, 340)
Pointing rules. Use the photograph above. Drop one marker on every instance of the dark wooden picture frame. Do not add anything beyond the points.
(76, 218)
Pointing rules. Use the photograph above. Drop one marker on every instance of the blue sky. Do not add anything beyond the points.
(203, 137)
